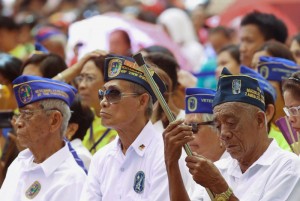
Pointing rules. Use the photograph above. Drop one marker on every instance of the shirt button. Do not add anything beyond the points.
(122, 169)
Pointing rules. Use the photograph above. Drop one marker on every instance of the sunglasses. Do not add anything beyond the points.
(114, 95)
(292, 111)
(196, 126)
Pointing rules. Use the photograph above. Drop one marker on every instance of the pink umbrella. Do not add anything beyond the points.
(93, 33)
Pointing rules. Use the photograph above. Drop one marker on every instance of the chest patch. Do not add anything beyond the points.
(139, 182)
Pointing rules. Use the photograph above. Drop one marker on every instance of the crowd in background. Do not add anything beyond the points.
(34, 40)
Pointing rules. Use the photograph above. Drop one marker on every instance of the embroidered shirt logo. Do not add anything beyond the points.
(33, 190)
(139, 182)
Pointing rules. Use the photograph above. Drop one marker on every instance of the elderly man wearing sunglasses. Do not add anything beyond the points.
(132, 166)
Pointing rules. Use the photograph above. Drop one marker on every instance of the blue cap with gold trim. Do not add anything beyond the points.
(125, 68)
(276, 69)
(239, 88)
(199, 100)
(263, 83)
(29, 89)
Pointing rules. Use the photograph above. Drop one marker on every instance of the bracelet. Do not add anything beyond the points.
(61, 77)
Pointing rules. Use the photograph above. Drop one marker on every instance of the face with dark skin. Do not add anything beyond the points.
(240, 128)
(251, 39)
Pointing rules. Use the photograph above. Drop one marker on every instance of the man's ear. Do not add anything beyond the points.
(144, 99)
(261, 119)
(56, 121)
(270, 112)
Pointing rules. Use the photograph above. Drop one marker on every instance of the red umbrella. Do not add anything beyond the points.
(93, 33)
(234, 13)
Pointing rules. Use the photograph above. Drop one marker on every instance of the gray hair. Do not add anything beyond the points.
(62, 107)
(141, 90)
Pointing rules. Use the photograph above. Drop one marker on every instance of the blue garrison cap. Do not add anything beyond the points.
(125, 68)
(263, 83)
(238, 88)
(276, 69)
(29, 89)
(199, 100)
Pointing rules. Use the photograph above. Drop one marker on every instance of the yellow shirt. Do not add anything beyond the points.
(97, 131)
(278, 136)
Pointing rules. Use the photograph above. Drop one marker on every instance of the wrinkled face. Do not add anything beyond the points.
(291, 101)
(237, 129)
(251, 39)
(120, 114)
(89, 82)
(226, 60)
(32, 69)
(205, 139)
(295, 49)
(256, 56)
(32, 125)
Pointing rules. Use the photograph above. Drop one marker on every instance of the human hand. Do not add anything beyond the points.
(175, 136)
(96, 53)
(205, 173)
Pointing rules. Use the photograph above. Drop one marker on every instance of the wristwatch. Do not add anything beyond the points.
(224, 196)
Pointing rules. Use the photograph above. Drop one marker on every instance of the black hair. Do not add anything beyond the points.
(269, 101)
(168, 64)
(277, 49)
(269, 25)
(159, 49)
(49, 64)
(233, 50)
(10, 66)
(8, 23)
(223, 30)
(81, 115)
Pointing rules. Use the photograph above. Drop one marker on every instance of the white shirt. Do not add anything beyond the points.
(275, 176)
(59, 178)
(82, 152)
(138, 175)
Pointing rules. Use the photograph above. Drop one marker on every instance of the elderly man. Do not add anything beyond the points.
(47, 169)
(132, 166)
(257, 169)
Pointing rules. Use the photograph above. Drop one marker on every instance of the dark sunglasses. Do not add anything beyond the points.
(114, 95)
(196, 126)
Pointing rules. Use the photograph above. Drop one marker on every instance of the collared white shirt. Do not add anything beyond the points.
(82, 152)
(275, 176)
(139, 175)
(59, 178)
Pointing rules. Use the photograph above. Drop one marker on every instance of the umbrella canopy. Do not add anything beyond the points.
(93, 33)
(287, 11)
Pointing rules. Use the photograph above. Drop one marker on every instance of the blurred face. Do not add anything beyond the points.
(89, 82)
(118, 44)
(32, 69)
(218, 40)
(121, 113)
(236, 129)
(206, 140)
(256, 56)
(32, 125)
(226, 60)
(251, 39)
(295, 49)
(290, 101)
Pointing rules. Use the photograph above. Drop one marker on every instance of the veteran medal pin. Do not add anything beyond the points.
(33, 190)
(139, 182)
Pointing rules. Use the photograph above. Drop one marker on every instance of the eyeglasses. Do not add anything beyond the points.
(86, 77)
(27, 114)
(292, 111)
(113, 95)
(196, 126)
